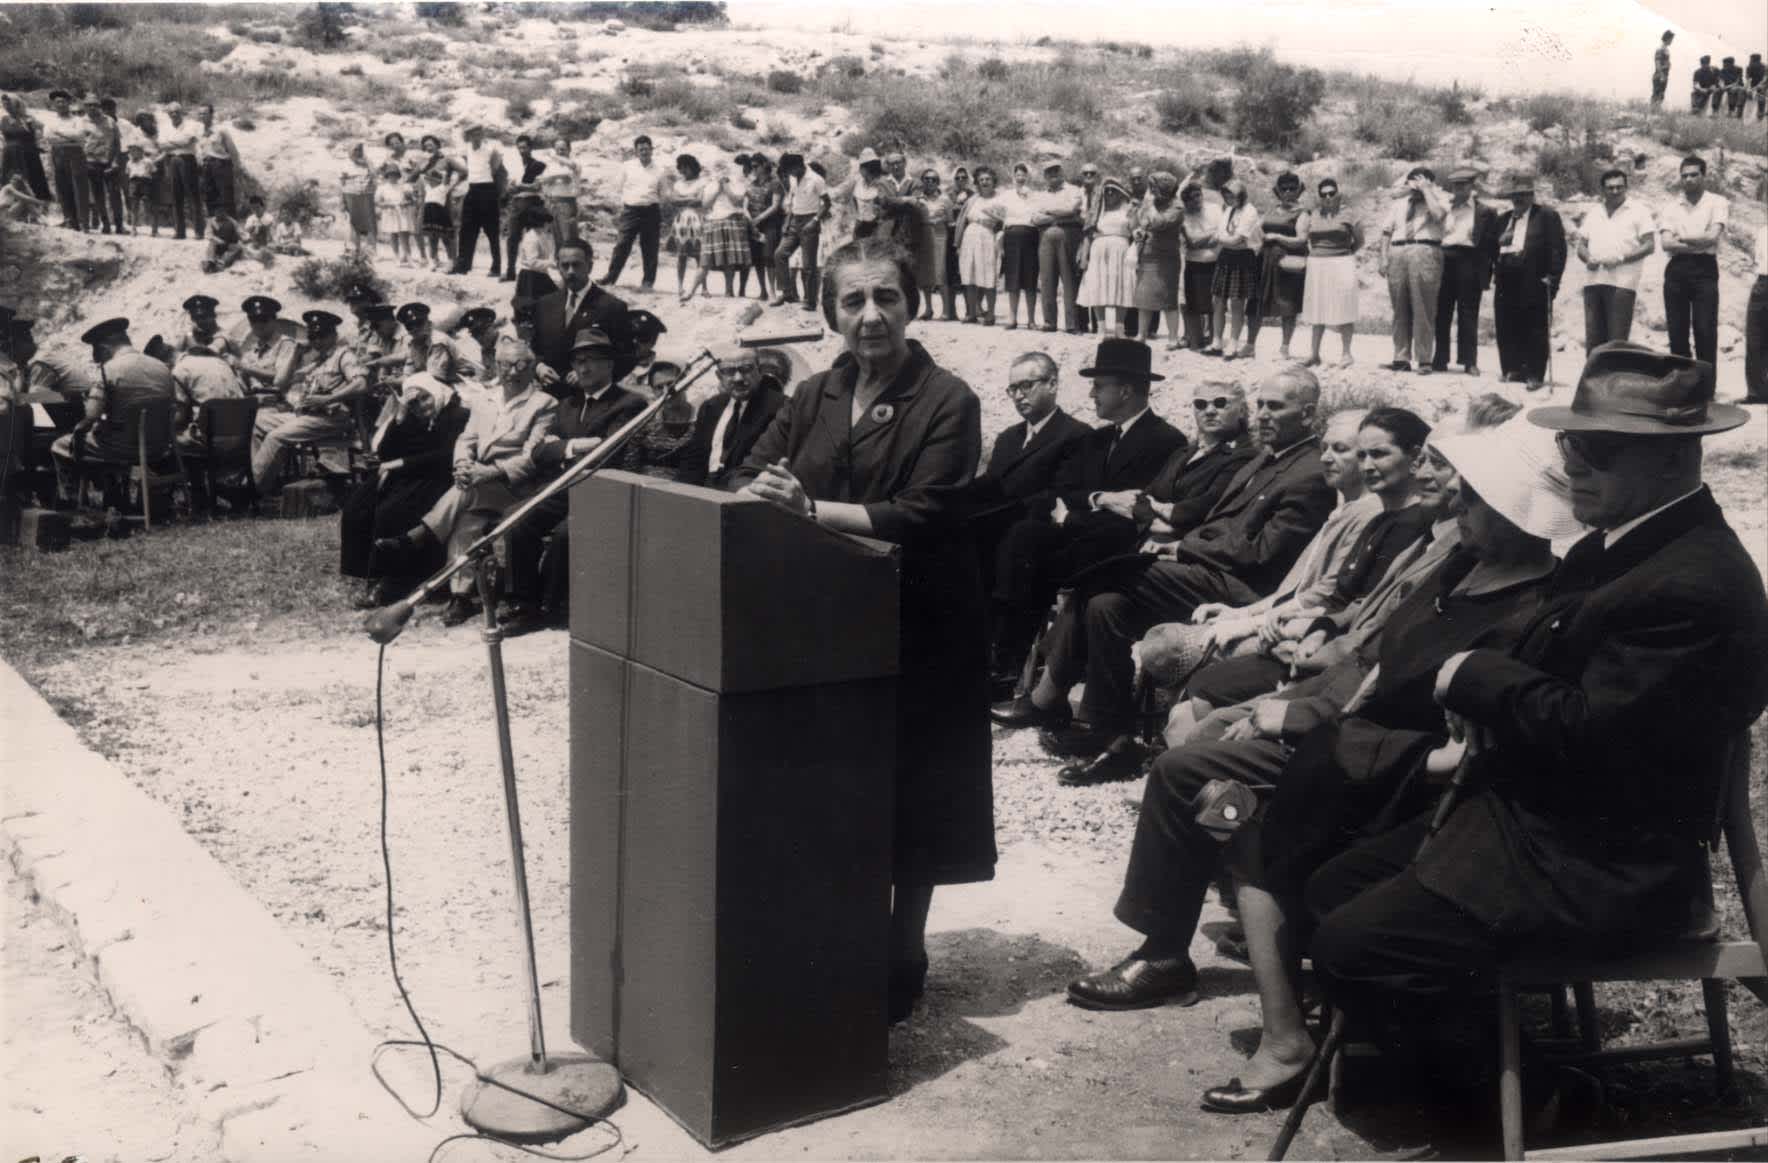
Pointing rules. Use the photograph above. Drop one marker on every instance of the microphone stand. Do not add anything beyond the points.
(533, 1099)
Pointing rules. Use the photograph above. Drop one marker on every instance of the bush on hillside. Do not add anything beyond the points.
(1402, 128)
(1275, 101)
(322, 279)
(1451, 105)
(320, 28)
(993, 69)
(441, 13)
(296, 202)
(1188, 105)
(1573, 166)
(784, 81)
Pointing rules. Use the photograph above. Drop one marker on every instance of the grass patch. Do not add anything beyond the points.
(1190, 105)
(1574, 166)
(518, 97)
(1405, 130)
(321, 278)
(1686, 133)
(784, 81)
(204, 578)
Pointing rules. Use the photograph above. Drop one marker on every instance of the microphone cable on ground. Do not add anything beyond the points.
(431, 1047)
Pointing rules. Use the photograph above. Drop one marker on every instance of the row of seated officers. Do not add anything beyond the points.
(1346, 610)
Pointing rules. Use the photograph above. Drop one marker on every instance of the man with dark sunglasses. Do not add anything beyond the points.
(1595, 749)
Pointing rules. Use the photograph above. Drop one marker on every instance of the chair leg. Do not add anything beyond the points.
(1588, 1031)
(1562, 1018)
(1510, 1069)
(1719, 1029)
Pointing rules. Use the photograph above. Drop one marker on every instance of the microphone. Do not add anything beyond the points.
(388, 622)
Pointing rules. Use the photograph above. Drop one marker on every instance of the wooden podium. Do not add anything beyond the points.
(733, 711)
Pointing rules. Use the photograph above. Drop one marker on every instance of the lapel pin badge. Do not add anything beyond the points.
(882, 413)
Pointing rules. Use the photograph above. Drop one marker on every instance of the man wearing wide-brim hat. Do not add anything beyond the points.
(126, 379)
(596, 408)
(1529, 259)
(1470, 231)
(1595, 749)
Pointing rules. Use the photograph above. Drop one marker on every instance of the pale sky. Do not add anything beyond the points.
(1600, 47)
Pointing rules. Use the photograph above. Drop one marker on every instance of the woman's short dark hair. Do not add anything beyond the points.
(388, 140)
(429, 138)
(1406, 427)
(871, 249)
(1190, 190)
(791, 164)
(1324, 182)
(976, 174)
(688, 162)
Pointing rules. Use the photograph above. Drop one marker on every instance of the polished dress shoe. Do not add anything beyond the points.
(458, 610)
(1234, 1099)
(1137, 983)
(1022, 712)
(1121, 760)
(1074, 740)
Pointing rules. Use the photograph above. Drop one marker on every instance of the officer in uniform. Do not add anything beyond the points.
(380, 349)
(358, 297)
(125, 376)
(328, 384)
(428, 350)
(204, 331)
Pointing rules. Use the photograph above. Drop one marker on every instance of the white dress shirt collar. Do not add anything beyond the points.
(1611, 536)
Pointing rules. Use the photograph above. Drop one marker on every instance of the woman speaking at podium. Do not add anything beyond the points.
(881, 445)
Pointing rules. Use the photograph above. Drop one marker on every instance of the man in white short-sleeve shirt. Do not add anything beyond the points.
(641, 214)
(1689, 228)
(1613, 241)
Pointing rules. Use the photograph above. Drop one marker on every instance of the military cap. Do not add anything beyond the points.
(645, 325)
(320, 321)
(201, 303)
(60, 95)
(413, 313)
(477, 318)
(260, 307)
(105, 332)
(593, 340)
(362, 293)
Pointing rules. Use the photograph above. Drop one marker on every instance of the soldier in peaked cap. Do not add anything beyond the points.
(428, 350)
(328, 379)
(378, 345)
(1596, 747)
(204, 330)
(267, 359)
(126, 378)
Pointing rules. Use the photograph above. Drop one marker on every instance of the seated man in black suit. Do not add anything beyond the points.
(1108, 466)
(1241, 550)
(1595, 747)
(580, 304)
(728, 424)
(596, 408)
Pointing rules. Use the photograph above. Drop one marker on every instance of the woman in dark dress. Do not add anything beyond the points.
(1282, 266)
(881, 445)
(414, 441)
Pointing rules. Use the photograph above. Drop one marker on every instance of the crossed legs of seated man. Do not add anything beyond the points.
(1173, 861)
(1091, 641)
(279, 438)
(458, 519)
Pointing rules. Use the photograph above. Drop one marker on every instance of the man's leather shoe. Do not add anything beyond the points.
(458, 610)
(1234, 1099)
(1022, 712)
(1121, 760)
(1074, 740)
(1136, 983)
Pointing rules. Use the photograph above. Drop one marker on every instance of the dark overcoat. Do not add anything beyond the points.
(377, 508)
(908, 461)
(1611, 720)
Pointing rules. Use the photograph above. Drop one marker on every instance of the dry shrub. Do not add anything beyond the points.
(1188, 105)
(784, 81)
(1275, 100)
(993, 69)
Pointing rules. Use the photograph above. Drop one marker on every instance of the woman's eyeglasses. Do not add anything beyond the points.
(1219, 403)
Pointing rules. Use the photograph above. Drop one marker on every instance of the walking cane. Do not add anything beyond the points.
(1335, 1029)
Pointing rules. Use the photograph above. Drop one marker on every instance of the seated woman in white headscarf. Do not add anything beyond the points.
(413, 443)
(493, 468)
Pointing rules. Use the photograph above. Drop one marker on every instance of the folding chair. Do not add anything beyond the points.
(1701, 956)
(147, 426)
(225, 426)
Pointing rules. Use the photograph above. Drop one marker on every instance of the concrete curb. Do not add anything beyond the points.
(271, 1055)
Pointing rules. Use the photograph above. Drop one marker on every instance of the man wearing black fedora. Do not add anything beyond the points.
(1251, 536)
(1595, 748)
(1097, 482)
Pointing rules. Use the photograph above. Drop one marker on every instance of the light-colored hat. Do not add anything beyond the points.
(1517, 183)
(1463, 174)
(867, 155)
(1516, 469)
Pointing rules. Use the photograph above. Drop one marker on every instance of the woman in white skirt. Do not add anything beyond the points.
(1329, 297)
(979, 251)
(1110, 276)
(689, 193)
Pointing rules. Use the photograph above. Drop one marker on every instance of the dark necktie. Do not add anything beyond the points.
(1111, 445)
(730, 430)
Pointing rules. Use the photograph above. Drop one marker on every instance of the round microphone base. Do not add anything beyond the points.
(578, 1082)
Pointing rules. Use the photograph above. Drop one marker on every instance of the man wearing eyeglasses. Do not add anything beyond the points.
(1613, 241)
(727, 425)
(1241, 549)
(1595, 749)
(1096, 482)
